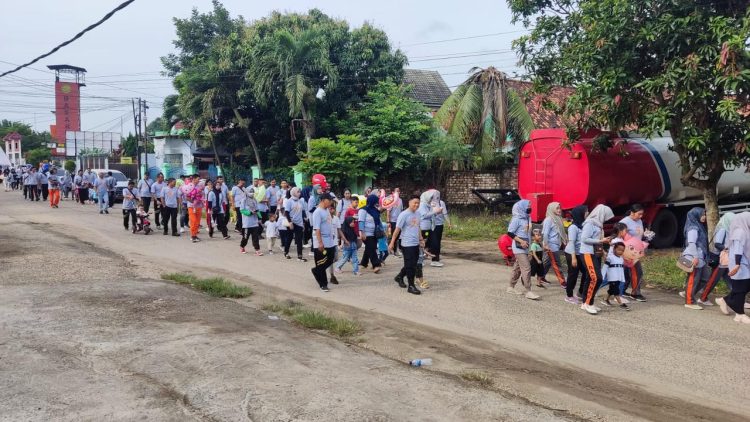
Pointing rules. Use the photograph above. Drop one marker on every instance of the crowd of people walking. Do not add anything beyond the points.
(574, 248)
(595, 259)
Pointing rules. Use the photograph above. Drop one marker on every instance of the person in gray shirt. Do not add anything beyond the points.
(44, 185)
(324, 244)
(129, 200)
(170, 199)
(295, 211)
(407, 227)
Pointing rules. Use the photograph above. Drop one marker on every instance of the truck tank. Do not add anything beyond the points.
(639, 170)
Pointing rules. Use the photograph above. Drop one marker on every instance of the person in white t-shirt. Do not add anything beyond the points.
(272, 232)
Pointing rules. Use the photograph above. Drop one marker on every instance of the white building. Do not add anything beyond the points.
(13, 148)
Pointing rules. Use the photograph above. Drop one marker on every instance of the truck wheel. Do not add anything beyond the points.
(666, 227)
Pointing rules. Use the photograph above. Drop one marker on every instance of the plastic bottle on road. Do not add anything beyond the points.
(420, 362)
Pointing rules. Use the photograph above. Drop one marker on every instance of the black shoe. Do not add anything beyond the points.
(639, 298)
(165, 233)
(301, 259)
(227, 237)
(324, 289)
(400, 282)
(334, 280)
(175, 234)
(287, 257)
(105, 211)
(413, 290)
(624, 307)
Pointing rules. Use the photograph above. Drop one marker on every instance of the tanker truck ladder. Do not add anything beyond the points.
(540, 175)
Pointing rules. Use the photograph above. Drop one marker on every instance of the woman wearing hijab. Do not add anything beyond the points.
(719, 242)
(295, 210)
(250, 224)
(592, 238)
(573, 254)
(739, 269)
(554, 237)
(696, 249)
(369, 219)
(519, 231)
(634, 276)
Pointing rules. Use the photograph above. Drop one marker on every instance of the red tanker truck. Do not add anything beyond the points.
(647, 173)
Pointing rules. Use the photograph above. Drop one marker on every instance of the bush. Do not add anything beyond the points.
(315, 320)
(70, 166)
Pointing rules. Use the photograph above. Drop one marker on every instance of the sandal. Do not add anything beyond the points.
(423, 284)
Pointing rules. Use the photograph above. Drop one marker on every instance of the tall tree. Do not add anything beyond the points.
(298, 62)
(677, 65)
(484, 112)
(391, 127)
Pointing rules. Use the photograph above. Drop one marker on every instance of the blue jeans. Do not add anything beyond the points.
(349, 252)
(103, 200)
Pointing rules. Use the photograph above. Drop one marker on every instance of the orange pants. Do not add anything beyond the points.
(54, 197)
(195, 215)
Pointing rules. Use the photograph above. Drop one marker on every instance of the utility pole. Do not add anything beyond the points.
(145, 128)
(137, 124)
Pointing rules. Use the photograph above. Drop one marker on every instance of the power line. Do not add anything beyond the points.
(75, 37)
(468, 38)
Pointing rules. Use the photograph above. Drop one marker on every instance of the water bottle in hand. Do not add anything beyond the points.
(420, 362)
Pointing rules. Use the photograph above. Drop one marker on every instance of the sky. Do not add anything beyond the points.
(122, 56)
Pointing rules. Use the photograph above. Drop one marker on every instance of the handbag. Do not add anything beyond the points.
(685, 264)
(724, 258)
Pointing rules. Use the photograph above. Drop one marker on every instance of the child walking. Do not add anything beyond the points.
(383, 245)
(537, 262)
(272, 232)
(614, 269)
(350, 246)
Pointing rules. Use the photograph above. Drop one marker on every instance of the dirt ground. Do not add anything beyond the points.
(659, 362)
(83, 338)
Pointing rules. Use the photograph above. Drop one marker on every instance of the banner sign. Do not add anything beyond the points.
(67, 109)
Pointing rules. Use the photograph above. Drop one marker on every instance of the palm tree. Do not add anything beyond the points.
(483, 112)
(298, 65)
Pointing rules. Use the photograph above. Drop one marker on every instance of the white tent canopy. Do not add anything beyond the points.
(4, 161)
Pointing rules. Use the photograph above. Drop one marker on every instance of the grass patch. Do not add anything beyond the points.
(477, 226)
(660, 271)
(480, 378)
(315, 320)
(214, 286)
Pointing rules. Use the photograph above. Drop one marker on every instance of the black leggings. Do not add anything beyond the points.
(253, 232)
(437, 240)
(169, 215)
(295, 233)
(146, 203)
(736, 298)
(323, 260)
(131, 214)
(573, 273)
(592, 278)
(371, 252)
(409, 270)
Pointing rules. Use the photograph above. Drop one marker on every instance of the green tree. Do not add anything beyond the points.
(31, 139)
(443, 153)
(70, 166)
(339, 161)
(37, 155)
(156, 125)
(391, 126)
(484, 113)
(300, 63)
(657, 65)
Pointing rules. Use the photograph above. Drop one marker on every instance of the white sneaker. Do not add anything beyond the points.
(513, 291)
(722, 305)
(532, 296)
(436, 264)
(590, 309)
(742, 319)
(596, 308)
(623, 300)
(747, 305)
(707, 303)
(694, 307)
(182, 230)
(310, 254)
(682, 294)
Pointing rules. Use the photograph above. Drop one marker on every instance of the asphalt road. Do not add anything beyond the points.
(656, 362)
